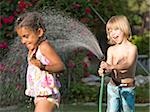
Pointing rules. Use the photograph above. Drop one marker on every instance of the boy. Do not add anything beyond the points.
(121, 63)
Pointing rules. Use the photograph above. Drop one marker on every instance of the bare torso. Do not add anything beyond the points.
(121, 55)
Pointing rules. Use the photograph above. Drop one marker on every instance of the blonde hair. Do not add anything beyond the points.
(120, 22)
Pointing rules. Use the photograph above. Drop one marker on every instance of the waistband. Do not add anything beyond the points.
(132, 84)
(46, 96)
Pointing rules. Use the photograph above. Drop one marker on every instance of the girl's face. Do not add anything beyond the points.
(28, 37)
(116, 35)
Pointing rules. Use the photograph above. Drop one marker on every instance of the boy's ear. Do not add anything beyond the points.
(40, 32)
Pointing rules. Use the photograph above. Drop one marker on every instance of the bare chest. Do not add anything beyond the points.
(119, 54)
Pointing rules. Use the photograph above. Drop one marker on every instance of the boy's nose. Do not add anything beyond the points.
(112, 33)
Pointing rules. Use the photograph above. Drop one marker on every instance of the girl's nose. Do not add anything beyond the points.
(23, 41)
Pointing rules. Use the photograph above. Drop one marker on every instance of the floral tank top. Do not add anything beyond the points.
(38, 82)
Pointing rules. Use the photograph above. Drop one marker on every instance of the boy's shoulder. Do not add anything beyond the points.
(132, 46)
(111, 47)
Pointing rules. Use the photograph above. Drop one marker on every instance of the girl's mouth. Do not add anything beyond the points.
(28, 45)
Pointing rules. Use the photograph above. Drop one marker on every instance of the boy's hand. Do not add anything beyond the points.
(105, 66)
(101, 72)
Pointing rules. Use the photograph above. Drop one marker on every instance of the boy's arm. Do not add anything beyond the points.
(104, 65)
(127, 62)
(109, 56)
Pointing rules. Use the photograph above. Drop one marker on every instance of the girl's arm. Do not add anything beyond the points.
(56, 64)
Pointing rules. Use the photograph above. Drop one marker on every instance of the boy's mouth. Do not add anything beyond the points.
(115, 37)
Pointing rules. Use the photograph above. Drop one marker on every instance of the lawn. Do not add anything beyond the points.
(72, 108)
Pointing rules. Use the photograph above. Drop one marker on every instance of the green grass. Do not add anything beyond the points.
(81, 108)
(73, 108)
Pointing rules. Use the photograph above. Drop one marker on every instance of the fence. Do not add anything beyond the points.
(143, 62)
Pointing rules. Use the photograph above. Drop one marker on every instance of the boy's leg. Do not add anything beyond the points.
(128, 99)
(113, 98)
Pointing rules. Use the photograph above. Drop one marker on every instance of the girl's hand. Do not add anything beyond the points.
(35, 62)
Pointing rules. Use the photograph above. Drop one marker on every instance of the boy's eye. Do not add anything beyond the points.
(109, 30)
(116, 29)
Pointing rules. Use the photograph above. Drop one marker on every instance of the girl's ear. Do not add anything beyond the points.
(40, 32)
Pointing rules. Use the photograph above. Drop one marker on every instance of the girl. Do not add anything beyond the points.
(42, 62)
(121, 63)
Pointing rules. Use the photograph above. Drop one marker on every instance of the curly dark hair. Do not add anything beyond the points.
(31, 20)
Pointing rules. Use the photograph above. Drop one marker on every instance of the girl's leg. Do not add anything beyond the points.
(44, 106)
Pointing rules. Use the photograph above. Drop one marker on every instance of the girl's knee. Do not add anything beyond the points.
(44, 106)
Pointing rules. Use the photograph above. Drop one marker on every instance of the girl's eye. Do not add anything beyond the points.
(25, 36)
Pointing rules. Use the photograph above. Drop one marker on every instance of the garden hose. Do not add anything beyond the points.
(101, 93)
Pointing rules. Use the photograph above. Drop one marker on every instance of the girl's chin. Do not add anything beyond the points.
(30, 47)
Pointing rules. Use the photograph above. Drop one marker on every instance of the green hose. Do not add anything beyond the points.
(101, 93)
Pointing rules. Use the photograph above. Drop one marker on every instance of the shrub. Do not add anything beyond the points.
(80, 92)
(10, 9)
(142, 43)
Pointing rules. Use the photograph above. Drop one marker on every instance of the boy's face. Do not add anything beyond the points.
(28, 37)
(116, 35)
